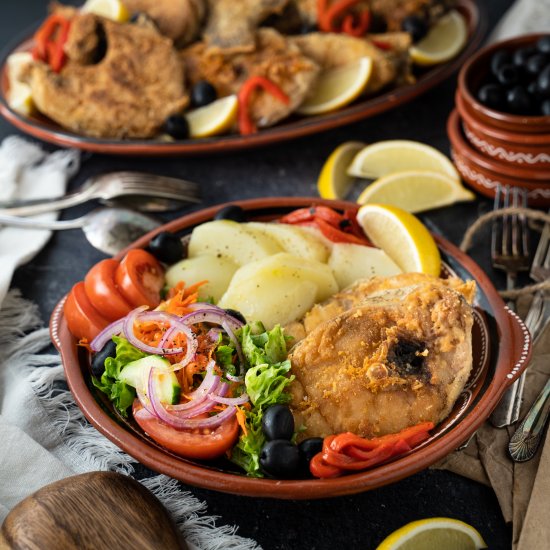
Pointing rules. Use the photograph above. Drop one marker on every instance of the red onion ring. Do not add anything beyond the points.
(146, 404)
(232, 378)
(217, 316)
(230, 400)
(208, 385)
(114, 329)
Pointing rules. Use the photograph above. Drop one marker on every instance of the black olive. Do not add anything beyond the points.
(543, 44)
(98, 360)
(508, 75)
(543, 82)
(237, 315)
(545, 107)
(309, 448)
(533, 89)
(522, 55)
(166, 247)
(278, 422)
(177, 127)
(518, 100)
(416, 26)
(536, 63)
(492, 95)
(203, 93)
(280, 458)
(231, 212)
(499, 59)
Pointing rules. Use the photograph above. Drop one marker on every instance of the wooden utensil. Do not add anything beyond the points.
(97, 510)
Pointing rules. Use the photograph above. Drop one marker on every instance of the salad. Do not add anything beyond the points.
(202, 380)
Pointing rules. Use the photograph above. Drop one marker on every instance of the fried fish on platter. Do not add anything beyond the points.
(180, 20)
(128, 93)
(385, 360)
(331, 50)
(232, 24)
(274, 57)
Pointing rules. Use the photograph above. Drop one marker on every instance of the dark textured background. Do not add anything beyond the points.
(359, 521)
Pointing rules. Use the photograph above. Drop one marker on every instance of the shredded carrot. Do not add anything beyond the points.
(241, 420)
(83, 342)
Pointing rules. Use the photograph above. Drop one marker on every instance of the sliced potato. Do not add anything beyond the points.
(350, 262)
(295, 240)
(234, 241)
(274, 297)
(218, 271)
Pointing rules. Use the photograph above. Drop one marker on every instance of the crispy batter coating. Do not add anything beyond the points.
(127, 94)
(385, 360)
(274, 57)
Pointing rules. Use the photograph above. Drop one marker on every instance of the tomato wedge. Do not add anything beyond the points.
(189, 444)
(82, 317)
(103, 292)
(140, 278)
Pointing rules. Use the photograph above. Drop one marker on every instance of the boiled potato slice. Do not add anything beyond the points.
(218, 271)
(274, 296)
(350, 262)
(294, 240)
(231, 240)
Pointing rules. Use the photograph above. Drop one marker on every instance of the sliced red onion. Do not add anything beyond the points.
(176, 421)
(208, 385)
(204, 406)
(166, 338)
(232, 378)
(223, 389)
(230, 400)
(203, 306)
(214, 333)
(217, 316)
(114, 329)
(146, 404)
(235, 342)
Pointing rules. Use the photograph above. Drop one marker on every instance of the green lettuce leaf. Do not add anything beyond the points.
(266, 347)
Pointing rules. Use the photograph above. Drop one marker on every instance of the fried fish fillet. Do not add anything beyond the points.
(128, 93)
(383, 361)
(331, 50)
(274, 57)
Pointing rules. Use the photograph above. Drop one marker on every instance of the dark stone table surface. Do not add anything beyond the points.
(359, 521)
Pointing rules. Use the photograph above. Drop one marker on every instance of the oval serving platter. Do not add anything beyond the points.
(501, 350)
(45, 129)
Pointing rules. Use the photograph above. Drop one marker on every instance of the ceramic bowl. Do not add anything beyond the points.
(501, 350)
(525, 150)
(473, 75)
(484, 173)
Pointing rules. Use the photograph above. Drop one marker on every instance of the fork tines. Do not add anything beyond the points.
(540, 270)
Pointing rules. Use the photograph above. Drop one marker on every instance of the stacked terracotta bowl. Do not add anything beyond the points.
(490, 146)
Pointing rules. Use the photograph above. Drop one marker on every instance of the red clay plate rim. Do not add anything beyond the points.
(509, 349)
(303, 127)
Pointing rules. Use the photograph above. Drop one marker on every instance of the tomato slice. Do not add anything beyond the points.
(82, 317)
(189, 444)
(103, 292)
(140, 278)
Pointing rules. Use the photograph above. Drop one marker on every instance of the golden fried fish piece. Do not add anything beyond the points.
(331, 50)
(128, 93)
(398, 356)
(274, 57)
(232, 24)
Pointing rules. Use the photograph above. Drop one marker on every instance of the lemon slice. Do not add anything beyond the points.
(334, 182)
(336, 88)
(20, 94)
(444, 40)
(401, 236)
(213, 119)
(415, 191)
(111, 9)
(447, 533)
(396, 155)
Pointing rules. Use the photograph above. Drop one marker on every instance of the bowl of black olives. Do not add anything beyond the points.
(506, 85)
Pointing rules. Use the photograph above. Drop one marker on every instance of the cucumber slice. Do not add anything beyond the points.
(136, 374)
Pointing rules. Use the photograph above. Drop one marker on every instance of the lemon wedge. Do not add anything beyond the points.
(415, 191)
(337, 87)
(334, 182)
(111, 9)
(444, 40)
(396, 155)
(20, 94)
(447, 533)
(401, 236)
(213, 119)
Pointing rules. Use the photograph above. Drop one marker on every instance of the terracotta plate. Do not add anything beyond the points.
(501, 349)
(47, 130)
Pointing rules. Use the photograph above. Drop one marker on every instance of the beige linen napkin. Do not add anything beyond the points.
(523, 490)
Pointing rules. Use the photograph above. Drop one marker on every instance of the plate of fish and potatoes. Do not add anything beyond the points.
(178, 78)
(271, 348)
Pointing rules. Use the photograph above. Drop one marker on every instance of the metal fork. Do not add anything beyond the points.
(510, 253)
(107, 187)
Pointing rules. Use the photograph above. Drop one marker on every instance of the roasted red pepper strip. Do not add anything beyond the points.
(357, 27)
(246, 124)
(382, 45)
(319, 468)
(298, 216)
(50, 40)
(329, 17)
(337, 235)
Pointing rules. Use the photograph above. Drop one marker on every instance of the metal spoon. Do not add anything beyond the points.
(107, 229)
